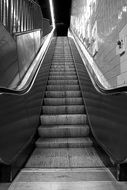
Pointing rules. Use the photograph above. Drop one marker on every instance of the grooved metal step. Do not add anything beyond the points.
(62, 69)
(63, 119)
(68, 77)
(62, 65)
(60, 59)
(64, 143)
(63, 87)
(62, 73)
(61, 82)
(70, 109)
(63, 101)
(63, 131)
(62, 94)
(65, 158)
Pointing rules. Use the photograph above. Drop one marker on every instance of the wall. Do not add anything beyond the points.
(61, 29)
(102, 27)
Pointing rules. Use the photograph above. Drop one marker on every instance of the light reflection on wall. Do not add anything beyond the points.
(101, 25)
(81, 21)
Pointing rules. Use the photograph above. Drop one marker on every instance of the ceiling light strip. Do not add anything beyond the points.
(52, 13)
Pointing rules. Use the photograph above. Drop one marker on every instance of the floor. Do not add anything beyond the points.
(67, 179)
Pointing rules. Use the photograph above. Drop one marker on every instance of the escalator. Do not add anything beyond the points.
(65, 156)
(64, 130)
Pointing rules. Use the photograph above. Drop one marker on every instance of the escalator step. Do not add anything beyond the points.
(64, 69)
(62, 94)
(62, 66)
(65, 158)
(63, 87)
(68, 77)
(64, 142)
(63, 101)
(60, 82)
(63, 73)
(63, 131)
(63, 119)
(70, 109)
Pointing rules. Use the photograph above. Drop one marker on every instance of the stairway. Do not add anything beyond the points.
(64, 133)
(63, 116)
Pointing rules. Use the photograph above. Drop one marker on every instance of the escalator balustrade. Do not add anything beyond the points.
(65, 156)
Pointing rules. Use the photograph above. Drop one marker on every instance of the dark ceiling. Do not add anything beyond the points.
(61, 8)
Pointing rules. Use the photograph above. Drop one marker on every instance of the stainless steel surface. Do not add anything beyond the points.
(64, 175)
(78, 142)
(65, 158)
(20, 18)
(67, 179)
(28, 45)
(62, 130)
(9, 73)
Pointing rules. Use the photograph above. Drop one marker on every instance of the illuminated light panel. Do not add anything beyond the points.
(120, 16)
(124, 9)
(52, 13)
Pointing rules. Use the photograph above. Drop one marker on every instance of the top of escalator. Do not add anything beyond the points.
(62, 9)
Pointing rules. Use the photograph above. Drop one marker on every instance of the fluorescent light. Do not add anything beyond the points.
(52, 12)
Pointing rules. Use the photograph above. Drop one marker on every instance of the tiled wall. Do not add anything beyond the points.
(102, 27)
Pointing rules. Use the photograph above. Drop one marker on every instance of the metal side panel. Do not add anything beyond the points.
(28, 44)
(107, 114)
(19, 118)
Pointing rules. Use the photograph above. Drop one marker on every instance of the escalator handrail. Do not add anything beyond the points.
(99, 86)
(25, 87)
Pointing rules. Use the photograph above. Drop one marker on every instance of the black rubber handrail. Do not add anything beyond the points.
(98, 86)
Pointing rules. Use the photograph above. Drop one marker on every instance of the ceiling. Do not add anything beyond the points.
(61, 8)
